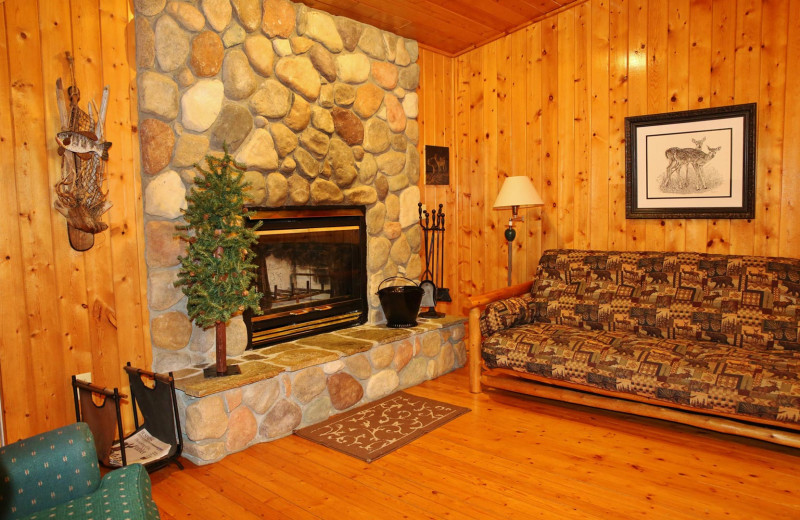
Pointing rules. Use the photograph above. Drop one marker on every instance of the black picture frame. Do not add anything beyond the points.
(670, 166)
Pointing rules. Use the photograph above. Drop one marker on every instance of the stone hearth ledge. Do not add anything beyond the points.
(267, 362)
(303, 382)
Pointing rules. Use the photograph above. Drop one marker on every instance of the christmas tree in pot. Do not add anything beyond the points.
(217, 272)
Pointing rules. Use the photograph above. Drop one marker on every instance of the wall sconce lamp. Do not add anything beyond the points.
(516, 191)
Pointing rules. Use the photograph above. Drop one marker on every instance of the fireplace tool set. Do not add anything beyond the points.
(433, 277)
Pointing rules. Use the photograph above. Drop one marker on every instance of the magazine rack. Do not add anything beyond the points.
(92, 407)
(156, 440)
(154, 395)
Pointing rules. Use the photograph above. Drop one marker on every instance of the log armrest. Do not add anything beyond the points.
(476, 304)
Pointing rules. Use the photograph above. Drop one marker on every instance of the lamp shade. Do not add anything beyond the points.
(517, 191)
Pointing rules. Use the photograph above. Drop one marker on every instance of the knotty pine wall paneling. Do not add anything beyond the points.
(550, 101)
(65, 312)
(790, 194)
(436, 117)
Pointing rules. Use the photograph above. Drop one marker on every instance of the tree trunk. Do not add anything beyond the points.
(222, 347)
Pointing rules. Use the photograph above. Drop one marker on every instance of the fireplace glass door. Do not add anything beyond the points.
(311, 272)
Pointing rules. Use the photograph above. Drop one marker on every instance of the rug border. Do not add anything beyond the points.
(457, 412)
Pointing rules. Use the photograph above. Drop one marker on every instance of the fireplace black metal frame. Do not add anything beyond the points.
(294, 322)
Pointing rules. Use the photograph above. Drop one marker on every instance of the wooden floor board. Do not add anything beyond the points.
(569, 456)
(375, 476)
(512, 456)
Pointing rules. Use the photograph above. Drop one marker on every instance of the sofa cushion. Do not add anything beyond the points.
(704, 375)
(124, 493)
(747, 301)
(503, 314)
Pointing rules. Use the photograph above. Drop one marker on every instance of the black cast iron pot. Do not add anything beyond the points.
(400, 303)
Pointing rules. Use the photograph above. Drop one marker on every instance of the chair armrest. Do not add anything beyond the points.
(64, 460)
(480, 300)
(476, 303)
(123, 493)
(129, 494)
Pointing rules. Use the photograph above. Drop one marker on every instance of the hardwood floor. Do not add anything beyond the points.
(512, 457)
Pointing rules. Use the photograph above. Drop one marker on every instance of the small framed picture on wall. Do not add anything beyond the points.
(437, 165)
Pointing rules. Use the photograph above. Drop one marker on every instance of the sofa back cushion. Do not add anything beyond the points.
(747, 301)
(46, 470)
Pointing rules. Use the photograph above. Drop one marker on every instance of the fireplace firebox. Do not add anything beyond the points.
(311, 270)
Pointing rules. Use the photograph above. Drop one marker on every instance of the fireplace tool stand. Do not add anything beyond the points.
(432, 278)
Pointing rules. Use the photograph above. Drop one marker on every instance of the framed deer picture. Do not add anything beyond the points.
(692, 164)
(437, 165)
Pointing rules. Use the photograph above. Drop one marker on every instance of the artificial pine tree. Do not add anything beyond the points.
(216, 273)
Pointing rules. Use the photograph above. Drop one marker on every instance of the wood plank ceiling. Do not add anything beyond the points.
(450, 27)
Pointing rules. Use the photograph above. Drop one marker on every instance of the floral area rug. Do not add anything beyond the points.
(380, 427)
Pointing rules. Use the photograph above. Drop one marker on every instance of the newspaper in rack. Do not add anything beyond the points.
(140, 447)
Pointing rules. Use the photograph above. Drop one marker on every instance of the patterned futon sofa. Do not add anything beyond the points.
(672, 334)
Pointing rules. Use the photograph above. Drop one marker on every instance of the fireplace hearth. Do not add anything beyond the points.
(311, 271)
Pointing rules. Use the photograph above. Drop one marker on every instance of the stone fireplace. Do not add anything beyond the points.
(321, 112)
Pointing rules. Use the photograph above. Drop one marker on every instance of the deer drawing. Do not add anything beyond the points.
(694, 157)
(437, 164)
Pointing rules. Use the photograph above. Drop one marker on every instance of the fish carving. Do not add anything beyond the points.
(82, 144)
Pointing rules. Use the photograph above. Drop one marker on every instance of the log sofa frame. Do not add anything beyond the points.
(565, 391)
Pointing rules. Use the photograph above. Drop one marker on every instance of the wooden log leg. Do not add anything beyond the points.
(474, 351)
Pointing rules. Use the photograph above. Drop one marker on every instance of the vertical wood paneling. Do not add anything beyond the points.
(549, 79)
(747, 63)
(658, 23)
(533, 144)
(599, 120)
(565, 119)
(722, 49)
(427, 132)
(519, 131)
(774, 31)
(129, 268)
(14, 369)
(505, 109)
(790, 192)
(65, 312)
(677, 83)
(462, 181)
(451, 237)
(491, 170)
(436, 118)
(478, 170)
(591, 66)
(617, 101)
(56, 27)
(692, 53)
(638, 51)
(99, 261)
(36, 232)
(582, 127)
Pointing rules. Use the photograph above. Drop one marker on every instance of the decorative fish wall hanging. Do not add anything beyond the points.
(83, 154)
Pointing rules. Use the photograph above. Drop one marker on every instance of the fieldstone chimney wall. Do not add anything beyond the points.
(319, 109)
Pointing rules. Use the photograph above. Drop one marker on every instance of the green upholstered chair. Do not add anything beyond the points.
(56, 475)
